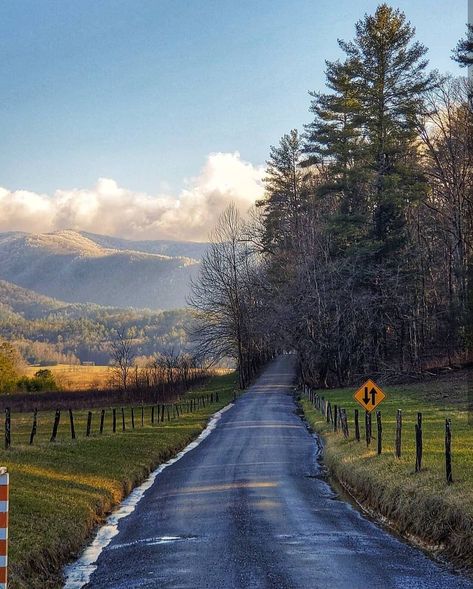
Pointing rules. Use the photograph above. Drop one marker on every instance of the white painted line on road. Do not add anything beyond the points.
(78, 574)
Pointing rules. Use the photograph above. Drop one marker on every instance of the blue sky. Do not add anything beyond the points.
(142, 91)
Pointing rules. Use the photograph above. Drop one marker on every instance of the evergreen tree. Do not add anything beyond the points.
(284, 198)
(368, 125)
(335, 144)
(463, 52)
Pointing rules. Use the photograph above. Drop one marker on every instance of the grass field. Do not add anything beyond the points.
(60, 491)
(420, 504)
(75, 377)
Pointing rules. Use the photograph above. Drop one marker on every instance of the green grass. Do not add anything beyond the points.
(60, 491)
(421, 505)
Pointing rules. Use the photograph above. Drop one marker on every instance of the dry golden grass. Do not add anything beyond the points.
(74, 377)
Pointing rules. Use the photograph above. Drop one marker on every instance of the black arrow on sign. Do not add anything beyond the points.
(374, 392)
(366, 398)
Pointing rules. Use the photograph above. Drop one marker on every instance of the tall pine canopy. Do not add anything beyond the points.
(365, 130)
(284, 196)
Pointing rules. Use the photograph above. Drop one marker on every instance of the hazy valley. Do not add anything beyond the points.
(64, 295)
(86, 268)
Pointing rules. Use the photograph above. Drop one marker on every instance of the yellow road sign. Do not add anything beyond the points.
(369, 396)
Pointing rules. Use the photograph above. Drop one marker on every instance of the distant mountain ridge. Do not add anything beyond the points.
(80, 267)
(187, 249)
(25, 303)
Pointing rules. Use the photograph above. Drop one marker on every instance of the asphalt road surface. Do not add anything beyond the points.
(249, 508)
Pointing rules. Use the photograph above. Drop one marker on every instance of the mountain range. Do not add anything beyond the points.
(80, 267)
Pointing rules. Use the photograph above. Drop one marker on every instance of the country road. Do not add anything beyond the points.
(249, 508)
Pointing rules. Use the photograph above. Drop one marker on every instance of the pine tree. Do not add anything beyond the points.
(284, 198)
(463, 52)
(368, 125)
(334, 143)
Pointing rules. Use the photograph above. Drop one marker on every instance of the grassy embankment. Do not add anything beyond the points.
(60, 491)
(419, 505)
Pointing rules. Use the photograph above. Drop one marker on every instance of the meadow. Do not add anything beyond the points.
(419, 505)
(60, 491)
(76, 377)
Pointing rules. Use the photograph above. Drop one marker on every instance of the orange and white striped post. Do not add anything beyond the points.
(4, 493)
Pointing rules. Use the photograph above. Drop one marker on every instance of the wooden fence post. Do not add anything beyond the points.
(419, 442)
(71, 421)
(357, 425)
(335, 417)
(346, 433)
(329, 412)
(132, 418)
(380, 431)
(89, 423)
(168, 412)
(102, 421)
(448, 450)
(368, 428)
(35, 426)
(114, 420)
(7, 428)
(4, 507)
(57, 417)
(398, 433)
(162, 413)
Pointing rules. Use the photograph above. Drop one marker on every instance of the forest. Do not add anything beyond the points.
(84, 333)
(359, 257)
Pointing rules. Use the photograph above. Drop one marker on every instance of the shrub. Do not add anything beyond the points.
(43, 380)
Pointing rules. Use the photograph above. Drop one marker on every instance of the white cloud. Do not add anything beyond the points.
(109, 209)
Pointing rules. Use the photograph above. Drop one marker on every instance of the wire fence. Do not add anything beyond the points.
(337, 419)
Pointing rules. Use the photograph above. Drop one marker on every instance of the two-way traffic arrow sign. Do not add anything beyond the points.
(369, 396)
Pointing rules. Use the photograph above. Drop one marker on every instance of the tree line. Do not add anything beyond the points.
(86, 333)
(359, 256)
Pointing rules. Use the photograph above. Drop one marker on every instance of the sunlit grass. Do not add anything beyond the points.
(60, 491)
(418, 503)
(75, 377)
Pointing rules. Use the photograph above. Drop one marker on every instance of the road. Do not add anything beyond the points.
(249, 508)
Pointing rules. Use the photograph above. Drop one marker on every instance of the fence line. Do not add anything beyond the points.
(159, 413)
(337, 419)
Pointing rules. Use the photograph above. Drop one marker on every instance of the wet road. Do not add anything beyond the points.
(243, 510)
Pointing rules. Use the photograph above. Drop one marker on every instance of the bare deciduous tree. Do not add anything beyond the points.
(123, 355)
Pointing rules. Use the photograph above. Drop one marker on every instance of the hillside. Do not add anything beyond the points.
(85, 268)
(187, 249)
(21, 302)
(47, 330)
